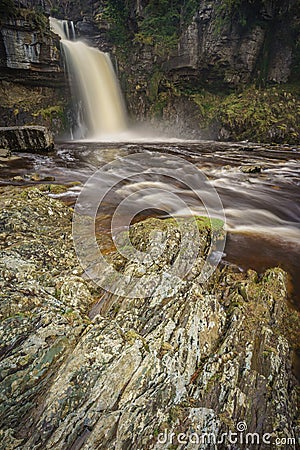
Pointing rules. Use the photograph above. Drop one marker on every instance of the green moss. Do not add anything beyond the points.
(153, 85)
(161, 92)
(207, 104)
(51, 114)
(262, 115)
(162, 22)
(159, 25)
(158, 105)
(117, 14)
(36, 18)
(140, 232)
(46, 113)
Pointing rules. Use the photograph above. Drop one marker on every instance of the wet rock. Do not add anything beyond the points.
(35, 177)
(251, 169)
(4, 152)
(195, 356)
(26, 139)
(18, 178)
(48, 178)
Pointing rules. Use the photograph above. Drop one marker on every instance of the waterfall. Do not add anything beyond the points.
(95, 89)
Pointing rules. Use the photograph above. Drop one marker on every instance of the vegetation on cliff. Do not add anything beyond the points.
(262, 115)
(158, 24)
(35, 17)
(33, 105)
(230, 59)
(82, 368)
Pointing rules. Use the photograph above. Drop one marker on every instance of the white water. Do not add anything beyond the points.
(98, 100)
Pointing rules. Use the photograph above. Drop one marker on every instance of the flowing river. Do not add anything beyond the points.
(262, 208)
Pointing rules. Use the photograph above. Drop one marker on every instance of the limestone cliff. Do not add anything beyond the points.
(33, 88)
(179, 64)
(233, 46)
(221, 49)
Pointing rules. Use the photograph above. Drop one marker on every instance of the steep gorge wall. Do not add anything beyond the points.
(33, 89)
(238, 46)
(196, 67)
(221, 51)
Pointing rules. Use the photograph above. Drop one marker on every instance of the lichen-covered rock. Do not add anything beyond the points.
(194, 358)
(26, 139)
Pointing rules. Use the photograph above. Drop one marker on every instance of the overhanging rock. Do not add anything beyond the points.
(26, 139)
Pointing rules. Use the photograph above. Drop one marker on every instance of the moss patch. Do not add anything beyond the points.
(34, 105)
(262, 115)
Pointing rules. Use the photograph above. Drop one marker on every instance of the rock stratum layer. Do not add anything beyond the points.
(33, 86)
(29, 52)
(192, 358)
(26, 139)
(189, 69)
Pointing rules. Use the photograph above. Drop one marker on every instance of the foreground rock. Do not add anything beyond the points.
(26, 139)
(198, 359)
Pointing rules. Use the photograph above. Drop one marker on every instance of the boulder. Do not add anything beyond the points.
(26, 139)
(251, 169)
(5, 153)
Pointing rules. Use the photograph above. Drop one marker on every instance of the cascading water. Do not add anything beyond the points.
(99, 104)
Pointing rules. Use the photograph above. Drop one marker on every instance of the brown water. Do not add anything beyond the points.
(262, 209)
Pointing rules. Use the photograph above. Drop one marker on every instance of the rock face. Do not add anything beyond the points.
(24, 50)
(221, 46)
(28, 50)
(33, 88)
(202, 359)
(21, 104)
(26, 139)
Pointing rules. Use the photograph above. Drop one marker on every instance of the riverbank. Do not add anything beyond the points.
(130, 371)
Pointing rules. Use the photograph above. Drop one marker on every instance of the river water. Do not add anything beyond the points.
(262, 209)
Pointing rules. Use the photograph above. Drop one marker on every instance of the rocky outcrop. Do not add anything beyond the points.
(26, 139)
(29, 52)
(24, 104)
(221, 46)
(24, 48)
(194, 364)
(33, 87)
(233, 46)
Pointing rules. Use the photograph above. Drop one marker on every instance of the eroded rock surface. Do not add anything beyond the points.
(192, 358)
(27, 45)
(26, 139)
